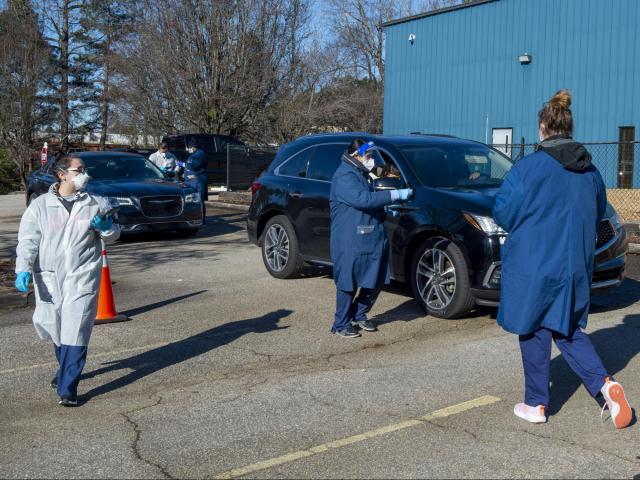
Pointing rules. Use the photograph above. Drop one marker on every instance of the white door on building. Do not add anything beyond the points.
(501, 139)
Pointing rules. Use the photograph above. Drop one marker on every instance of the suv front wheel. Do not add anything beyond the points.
(280, 251)
(440, 279)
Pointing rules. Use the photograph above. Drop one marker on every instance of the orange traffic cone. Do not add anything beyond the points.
(106, 305)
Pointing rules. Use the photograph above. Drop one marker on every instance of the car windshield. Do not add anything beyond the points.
(121, 168)
(461, 165)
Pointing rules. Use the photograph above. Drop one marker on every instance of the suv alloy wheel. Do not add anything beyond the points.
(280, 252)
(440, 279)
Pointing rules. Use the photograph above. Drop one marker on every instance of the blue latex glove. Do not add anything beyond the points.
(101, 223)
(22, 281)
(405, 193)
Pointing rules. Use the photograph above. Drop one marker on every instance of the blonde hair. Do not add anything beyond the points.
(556, 114)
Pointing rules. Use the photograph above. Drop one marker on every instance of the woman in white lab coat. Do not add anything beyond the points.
(59, 243)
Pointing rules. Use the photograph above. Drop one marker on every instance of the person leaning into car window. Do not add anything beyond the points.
(195, 174)
(359, 246)
(550, 203)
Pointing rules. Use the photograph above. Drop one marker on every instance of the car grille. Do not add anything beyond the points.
(605, 233)
(161, 207)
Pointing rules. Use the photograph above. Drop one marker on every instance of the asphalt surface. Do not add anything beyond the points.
(223, 370)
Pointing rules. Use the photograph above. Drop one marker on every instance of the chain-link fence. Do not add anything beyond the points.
(619, 164)
(245, 164)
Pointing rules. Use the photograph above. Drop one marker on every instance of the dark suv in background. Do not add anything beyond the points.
(443, 242)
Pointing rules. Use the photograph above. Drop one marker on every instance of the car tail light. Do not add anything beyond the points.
(255, 186)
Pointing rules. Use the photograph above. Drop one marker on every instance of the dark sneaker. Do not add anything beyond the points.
(348, 332)
(54, 382)
(367, 325)
(68, 401)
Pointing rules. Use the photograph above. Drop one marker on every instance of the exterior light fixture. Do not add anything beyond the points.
(525, 58)
(412, 38)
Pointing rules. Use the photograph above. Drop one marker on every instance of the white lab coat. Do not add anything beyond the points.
(64, 254)
(163, 160)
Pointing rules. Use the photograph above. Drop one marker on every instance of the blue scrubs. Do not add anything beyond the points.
(71, 361)
(576, 349)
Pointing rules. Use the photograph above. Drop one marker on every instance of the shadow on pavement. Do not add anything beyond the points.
(626, 294)
(152, 306)
(152, 361)
(616, 345)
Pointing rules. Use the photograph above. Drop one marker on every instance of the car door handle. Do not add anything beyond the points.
(401, 208)
(296, 194)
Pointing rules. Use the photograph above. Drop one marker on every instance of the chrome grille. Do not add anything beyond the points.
(605, 233)
(161, 206)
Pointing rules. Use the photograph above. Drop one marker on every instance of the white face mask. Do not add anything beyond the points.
(369, 164)
(80, 181)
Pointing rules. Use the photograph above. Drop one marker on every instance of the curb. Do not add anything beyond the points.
(634, 248)
(231, 206)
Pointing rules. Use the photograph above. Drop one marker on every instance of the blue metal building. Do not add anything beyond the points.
(482, 70)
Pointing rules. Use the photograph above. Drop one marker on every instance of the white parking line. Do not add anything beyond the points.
(290, 457)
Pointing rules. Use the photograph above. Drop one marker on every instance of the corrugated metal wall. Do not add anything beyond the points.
(463, 67)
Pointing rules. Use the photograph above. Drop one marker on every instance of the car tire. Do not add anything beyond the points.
(187, 232)
(440, 279)
(280, 251)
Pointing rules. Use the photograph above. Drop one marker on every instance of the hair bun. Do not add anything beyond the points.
(561, 99)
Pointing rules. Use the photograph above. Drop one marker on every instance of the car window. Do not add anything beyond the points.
(296, 166)
(175, 143)
(325, 161)
(446, 166)
(224, 141)
(121, 168)
(206, 143)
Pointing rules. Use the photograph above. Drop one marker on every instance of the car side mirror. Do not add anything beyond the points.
(387, 183)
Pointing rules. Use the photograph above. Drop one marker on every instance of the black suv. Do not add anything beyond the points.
(446, 231)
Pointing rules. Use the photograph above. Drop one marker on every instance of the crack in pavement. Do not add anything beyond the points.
(138, 432)
(581, 445)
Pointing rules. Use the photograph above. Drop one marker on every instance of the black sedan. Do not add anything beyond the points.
(146, 200)
(444, 242)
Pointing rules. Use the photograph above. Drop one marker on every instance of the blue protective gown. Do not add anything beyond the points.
(196, 166)
(550, 206)
(359, 245)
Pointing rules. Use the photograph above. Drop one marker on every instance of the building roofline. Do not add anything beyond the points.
(435, 12)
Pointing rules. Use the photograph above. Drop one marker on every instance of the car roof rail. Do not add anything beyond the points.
(445, 135)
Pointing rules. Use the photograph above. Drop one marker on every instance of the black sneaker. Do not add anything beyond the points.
(367, 325)
(54, 382)
(348, 332)
(68, 401)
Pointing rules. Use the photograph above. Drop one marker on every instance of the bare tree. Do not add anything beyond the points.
(25, 64)
(65, 31)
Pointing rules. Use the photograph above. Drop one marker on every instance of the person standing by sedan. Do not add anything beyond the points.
(195, 174)
(59, 242)
(164, 159)
(550, 203)
(359, 246)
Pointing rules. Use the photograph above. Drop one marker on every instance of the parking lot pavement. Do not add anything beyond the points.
(225, 371)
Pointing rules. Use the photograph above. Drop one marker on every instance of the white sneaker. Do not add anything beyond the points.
(530, 414)
(617, 403)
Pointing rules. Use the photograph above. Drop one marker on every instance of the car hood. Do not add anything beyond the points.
(478, 200)
(137, 188)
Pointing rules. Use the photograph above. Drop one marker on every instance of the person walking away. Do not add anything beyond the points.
(359, 246)
(164, 159)
(59, 242)
(550, 204)
(195, 174)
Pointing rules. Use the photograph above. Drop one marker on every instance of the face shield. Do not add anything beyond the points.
(370, 156)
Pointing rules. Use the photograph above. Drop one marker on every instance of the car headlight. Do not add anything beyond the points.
(192, 198)
(616, 221)
(484, 224)
(120, 201)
